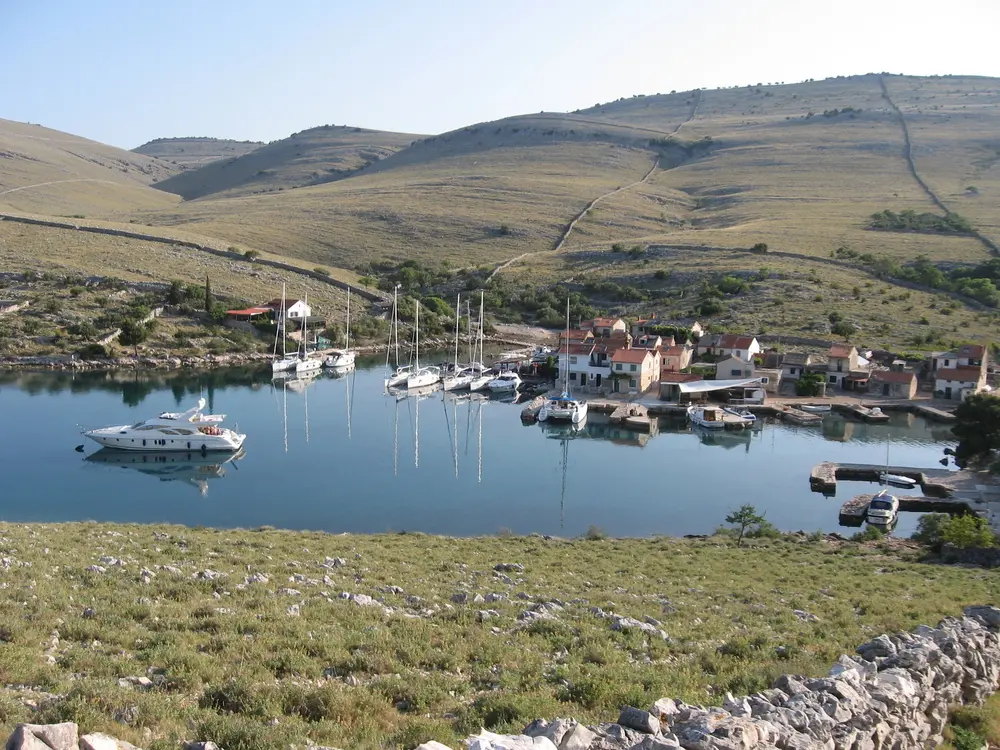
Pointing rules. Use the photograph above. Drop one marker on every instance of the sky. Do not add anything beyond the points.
(126, 71)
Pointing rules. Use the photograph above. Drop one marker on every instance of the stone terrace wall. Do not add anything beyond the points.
(894, 695)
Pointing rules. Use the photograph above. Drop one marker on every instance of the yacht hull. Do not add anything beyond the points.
(341, 360)
(115, 437)
(308, 365)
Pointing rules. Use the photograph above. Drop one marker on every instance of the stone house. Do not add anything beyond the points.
(893, 384)
(733, 368)
(604, 326)
(794, 364)
(635, 370)
(675, 358)
(587, 372)
(968, 355)
(957, 383)
(729, 345)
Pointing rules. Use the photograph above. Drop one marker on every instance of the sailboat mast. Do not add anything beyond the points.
(416, 335)
(566, 371)
(458, 305)
(482, 354)
(347, 341)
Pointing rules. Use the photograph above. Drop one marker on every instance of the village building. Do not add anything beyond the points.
(675, 358)
(634, 370)
(653, 324)
(670, 384)
(893, 384)
(958, 383)
(586, 369)
(794, 364)
(604, 326)
(969, 355)
(846, 368)
(733, 368)
(575, 335)
(729, 345)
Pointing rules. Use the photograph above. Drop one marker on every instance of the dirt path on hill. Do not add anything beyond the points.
(911, 165)
(564, 237)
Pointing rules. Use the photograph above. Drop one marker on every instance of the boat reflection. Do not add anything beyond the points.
(596, 427)
(190, 467)
(727, 439)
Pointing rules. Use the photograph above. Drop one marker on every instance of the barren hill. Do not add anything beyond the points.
(310, 157)
(53, 172)
(191, 153)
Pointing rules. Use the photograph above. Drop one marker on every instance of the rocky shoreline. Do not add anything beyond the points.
(207, 361)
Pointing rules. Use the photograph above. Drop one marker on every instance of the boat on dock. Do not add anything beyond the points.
(883, 509)
(420, 377)
(741, 412)
(815, 408)
(716, 418)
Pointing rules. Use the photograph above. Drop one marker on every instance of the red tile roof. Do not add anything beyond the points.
(575, 335)
(275, 304)
(961, 374)
(841, 351)
(734, 341)
(679, 377)
(893, 376)
(600, 322)
(672, 351)
(249, 311)
(975, 351)
(631, 356)
(577, 349)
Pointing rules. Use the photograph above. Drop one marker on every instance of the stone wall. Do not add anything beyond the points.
(895, 694)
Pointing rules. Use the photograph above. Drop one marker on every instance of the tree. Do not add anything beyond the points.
(176, 293)
(133, 333)
(977, 428)
(809, 384)
(760, 248)
(843, 328)
(968, 531)
(744, 518)
(208, 295)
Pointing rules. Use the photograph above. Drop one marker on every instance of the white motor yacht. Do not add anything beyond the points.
(883, 508)
(186, 431)
(505, 382)
(563, 408)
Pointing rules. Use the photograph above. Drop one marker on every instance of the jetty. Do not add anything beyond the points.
(868, 414)
(791, 414)
(633, 416)
(529, 414)
(853, 512)
(823, 477)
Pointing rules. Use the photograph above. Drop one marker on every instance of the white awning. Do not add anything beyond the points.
(704, 386)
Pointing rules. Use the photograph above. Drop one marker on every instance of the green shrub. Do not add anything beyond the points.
(967, 531)
(250, 255)
(870, 534)
(321, 271)
(92, 351)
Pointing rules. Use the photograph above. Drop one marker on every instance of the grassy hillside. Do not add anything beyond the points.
(58, 173)
(191, 153)
(310, 157)
(692, 178)
(258, 639)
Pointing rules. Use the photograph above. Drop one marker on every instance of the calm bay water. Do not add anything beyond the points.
(339, 455)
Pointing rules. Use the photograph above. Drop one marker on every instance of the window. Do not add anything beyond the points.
(632, 383)
(833, 378)
(572, 376)
(947, 363)
(620, 367)
(738, 353)
(840, 366)
(632, 368)
(572, 360)
(737, 373)
(764, 380)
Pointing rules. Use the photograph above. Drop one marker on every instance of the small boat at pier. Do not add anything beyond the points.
(505, 382)
(883, 509)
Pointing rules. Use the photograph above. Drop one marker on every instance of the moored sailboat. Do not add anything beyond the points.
(564, 407)
(285, 362)
(343, 358)
(420, 377)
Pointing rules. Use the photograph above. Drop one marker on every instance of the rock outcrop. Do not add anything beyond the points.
(894, 693)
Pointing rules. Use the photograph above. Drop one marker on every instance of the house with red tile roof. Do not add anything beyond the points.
(603, 326)
(674, 358)
(634, 370)
(893, 383)
(729, 345)
(841, 361)
(968, 355)
(958, 383)
(670, 384)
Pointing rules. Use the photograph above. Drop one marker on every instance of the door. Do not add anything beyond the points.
(947, 392)
(597, 380)
(614, 387)
(885, 389)
(583, 380)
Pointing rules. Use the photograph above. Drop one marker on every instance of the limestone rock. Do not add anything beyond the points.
(432, 745)
(98, 741)
(63, 736)
(636, 718)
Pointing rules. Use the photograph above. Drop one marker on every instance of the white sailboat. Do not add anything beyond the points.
(306, 363)
(343, 358)
(460, 377)
(286, 362)
(564, 407)
(397, 376)
(896, 480)
(481, 380)
(420, 377)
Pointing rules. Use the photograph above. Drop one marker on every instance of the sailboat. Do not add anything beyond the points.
(896, 480)
(461, 377)
(481, 381)
(397, 376)
(564, 406)
(305, 362)
(343, 358)
(420, 376)
(286, 362)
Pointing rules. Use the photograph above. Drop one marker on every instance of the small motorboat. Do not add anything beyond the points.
(815, 408)
(742, 413)
(883, 509)
(897, 480)
(505, 382)
(709, 417)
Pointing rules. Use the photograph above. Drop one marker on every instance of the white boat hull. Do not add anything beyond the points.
(283, 365)
(340, 360)
(573, 415)
(121, 439)
(696, 417)
(310, 364)
(456, 382)
(423, 378)
(504, 385)
(481, 383)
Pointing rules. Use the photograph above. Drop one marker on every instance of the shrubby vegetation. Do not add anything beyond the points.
(911, 221)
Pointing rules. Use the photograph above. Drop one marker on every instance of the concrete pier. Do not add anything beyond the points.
(853, 512)
(823, 477)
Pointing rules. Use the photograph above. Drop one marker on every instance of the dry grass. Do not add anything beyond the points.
(191, 153)
(229, 660)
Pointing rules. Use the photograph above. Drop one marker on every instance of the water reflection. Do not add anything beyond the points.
(188, 467)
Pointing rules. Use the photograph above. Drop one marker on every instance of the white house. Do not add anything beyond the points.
(733, 368)
(794, 364)
(294, 308)
(969, 355)
(956, 383)
(589, 369)
(730, 345)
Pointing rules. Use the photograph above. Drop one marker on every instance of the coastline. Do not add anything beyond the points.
(207, 361)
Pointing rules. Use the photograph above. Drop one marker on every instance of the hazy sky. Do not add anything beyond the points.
(127, 71)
